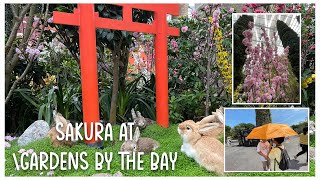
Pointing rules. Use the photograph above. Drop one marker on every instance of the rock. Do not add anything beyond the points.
(37, 130)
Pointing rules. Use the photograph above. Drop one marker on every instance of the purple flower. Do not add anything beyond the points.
(184, 29)
(194, 14)
(18, 51)
(9, 138)
(50, 20)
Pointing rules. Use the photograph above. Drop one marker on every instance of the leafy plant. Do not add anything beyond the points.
(137, 96)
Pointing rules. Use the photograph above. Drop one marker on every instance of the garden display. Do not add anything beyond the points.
(269, 76)
(143, 89)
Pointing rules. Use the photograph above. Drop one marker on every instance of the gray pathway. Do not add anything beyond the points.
(246, 158)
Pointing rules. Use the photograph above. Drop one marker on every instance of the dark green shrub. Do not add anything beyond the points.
(290, 38)
(239, 49)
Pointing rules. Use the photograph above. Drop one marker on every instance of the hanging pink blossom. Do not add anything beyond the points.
(266, 73)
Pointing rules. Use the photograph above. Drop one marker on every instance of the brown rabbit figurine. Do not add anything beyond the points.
(205, 150)
(53, 133)
(139, 144)
(139, 120)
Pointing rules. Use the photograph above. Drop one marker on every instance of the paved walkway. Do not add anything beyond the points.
(239, 158)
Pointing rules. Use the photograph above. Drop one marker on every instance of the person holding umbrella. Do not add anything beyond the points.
(277, 132)
(275, 154)
(303, 143)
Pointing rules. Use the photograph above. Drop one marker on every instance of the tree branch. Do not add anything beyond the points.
(15, 28)
(17, 81)
(14, 11)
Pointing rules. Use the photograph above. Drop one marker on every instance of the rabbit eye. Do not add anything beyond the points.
(188, 128)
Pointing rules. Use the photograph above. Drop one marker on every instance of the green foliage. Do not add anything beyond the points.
(299, 127)
(239, 48)
(308, 94)
(138, 94)
(290, 38)
(240, 127)
(227, 130)
(187, 105)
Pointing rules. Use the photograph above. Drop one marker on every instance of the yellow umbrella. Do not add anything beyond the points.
(269, 131)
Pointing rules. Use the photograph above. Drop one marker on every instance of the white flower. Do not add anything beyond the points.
(19, 35)
(21, 151)
(50, 173)
(7, 145)
(30, 151)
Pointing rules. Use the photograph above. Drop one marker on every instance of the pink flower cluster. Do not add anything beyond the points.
(256, 8)
(7, 140)
(184, 29)
(266, 73)
(174, 45)
(215, 17)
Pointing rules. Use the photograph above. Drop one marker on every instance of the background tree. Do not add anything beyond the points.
(263, 116)
(227, 131)
(290, 38)
(241, 127)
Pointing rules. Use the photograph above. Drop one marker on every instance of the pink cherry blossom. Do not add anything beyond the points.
(231, 10)
(184, 29)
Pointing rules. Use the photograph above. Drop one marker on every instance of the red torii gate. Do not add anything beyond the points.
(88, 20)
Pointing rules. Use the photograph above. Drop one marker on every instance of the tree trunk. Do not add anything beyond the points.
(115, 87)
(123, 68)
(208, 78)
(263, 116)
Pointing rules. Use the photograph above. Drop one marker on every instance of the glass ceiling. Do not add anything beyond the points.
(269, 22)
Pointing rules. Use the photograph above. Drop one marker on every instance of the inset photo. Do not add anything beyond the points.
(266, 58)
(267, 139)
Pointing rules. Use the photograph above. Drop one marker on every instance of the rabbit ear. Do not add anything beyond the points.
(133, 114)
(60, 119)
(140, 116)
(209, 119)
(136, 134)
(205, 128)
